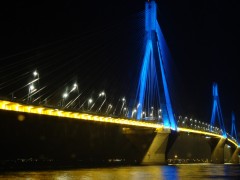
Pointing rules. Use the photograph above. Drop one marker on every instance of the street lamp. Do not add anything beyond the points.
(65, 95)
(142, 114)
(36, 76)
(90, 102)
(31, 88)
(102, 93)
(105, 98)
(138, 105)
(134, 111)
(75, 87)
(152, 109)
(124, 111)
(123, 102)
(159, 114)
(35, 73)
(108, 108)
(99, 95)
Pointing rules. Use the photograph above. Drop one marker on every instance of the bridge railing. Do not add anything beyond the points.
(197, 125)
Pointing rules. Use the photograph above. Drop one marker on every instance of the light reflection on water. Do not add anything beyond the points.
(196, 171)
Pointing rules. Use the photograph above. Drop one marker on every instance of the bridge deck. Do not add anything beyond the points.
(42, 110)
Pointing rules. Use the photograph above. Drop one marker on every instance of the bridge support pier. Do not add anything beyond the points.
(156, 153)
(217, 149)
(231, 154)
(234, 158)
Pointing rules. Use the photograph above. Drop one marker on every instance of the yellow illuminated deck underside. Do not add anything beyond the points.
(13, 106)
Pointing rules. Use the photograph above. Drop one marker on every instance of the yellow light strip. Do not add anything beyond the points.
(205, 133)
(233, 142)
(12, 106)
(198, 132)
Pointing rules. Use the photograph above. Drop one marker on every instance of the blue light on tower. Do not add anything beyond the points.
(167, 97)
(150, 16)
(143, 78)
(233, 129)
(216, 110)
(152, 86)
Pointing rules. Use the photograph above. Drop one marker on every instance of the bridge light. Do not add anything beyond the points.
(90, 100)
(102, 93)
(138, 105)
(65, 95)
(74, 87)
(134, 111)
(31, 88)
(123, 99)
(35, 73)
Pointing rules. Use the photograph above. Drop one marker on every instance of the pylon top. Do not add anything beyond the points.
(215, 90)
(150, 16)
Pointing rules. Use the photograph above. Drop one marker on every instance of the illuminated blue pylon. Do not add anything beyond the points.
(152, 86)
(216, 110)
(233, 129)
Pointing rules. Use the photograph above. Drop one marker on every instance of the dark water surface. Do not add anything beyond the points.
(188, 171)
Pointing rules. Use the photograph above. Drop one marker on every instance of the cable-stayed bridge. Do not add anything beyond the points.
(147, 124)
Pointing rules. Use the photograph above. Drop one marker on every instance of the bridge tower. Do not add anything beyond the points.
(234, 151)
(153, 86)
(233, 129)
(153, 96)
(217, 145)
(216, 111)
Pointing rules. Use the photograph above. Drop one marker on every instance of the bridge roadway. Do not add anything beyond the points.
(159, 128)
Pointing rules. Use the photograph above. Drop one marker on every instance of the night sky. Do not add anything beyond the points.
(202, 35)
